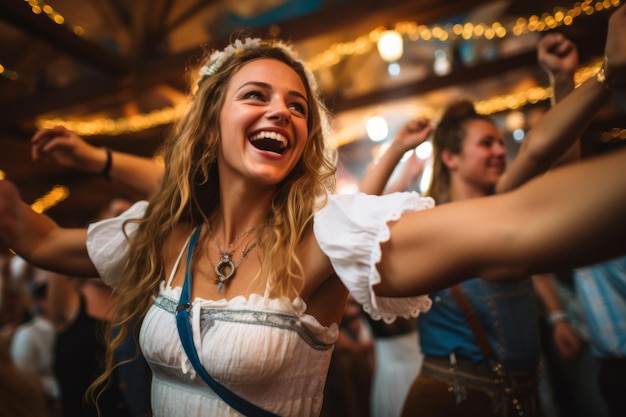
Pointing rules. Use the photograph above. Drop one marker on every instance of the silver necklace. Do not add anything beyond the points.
(225, 268)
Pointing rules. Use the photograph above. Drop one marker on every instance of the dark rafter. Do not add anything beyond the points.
(18, 13)
(474, 74)
(146, 70)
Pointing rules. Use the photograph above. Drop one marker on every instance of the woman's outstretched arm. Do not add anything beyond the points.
(39, 240)
(67, 149)
(572, 217)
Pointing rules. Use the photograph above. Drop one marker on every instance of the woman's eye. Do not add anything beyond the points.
(254, 95)
(300, 108)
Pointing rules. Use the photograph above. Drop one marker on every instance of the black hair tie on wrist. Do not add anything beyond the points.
(107, 165)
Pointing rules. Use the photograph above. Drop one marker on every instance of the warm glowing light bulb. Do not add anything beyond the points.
(390, 46)
(377, 128)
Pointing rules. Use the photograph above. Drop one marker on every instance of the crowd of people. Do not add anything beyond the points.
(59, 343)
(239, 274)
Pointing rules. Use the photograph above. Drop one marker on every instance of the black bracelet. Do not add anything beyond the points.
(107, 165)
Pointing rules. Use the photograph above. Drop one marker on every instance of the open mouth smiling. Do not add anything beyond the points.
(269, 141)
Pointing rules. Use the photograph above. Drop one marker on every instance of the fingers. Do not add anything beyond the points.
(45, 134)
(422, 127)
(555, 44)
(567, 341)
(413, 133)
(418, 124)
(549, 41)
(37, 141)
(43, 139)
(563, 47)
(557, 55)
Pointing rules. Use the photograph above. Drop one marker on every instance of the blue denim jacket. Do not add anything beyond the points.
(508, 312)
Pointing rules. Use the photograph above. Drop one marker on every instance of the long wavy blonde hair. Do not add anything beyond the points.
(190, 194)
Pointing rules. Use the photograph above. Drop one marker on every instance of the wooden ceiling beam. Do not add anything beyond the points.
(19, 14)
(150, 72)
(40, 103)
(171, 68)
(337, 16)
(433, 82)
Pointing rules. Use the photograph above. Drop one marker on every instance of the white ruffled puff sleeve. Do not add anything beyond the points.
(107, 243)
(350, 229)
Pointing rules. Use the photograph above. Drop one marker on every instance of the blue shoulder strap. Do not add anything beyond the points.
(184, 331)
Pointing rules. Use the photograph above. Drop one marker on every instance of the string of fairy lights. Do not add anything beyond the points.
(469, 30)
(413, 31)
(361, 45)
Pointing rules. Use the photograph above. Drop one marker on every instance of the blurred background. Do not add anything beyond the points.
(115, 72)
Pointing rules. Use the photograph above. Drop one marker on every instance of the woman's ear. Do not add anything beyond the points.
(449, 159)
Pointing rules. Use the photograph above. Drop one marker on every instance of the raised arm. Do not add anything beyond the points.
(570, 218)
(412, 134)
(558, 56)
(408, 176)
(39, 240)
(546, 147)
(65, 148)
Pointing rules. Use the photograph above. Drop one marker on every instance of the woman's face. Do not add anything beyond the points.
(483, 156)
(263, 123)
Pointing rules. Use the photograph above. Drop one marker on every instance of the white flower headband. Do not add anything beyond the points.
(218, 58)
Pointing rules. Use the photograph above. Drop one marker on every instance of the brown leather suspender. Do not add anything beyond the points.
(472, 321)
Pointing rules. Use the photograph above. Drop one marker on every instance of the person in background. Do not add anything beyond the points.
(15, 301)
(347, 390)
(601, 288)
(80, 309)
(398, 360)
(398, 357)
(32, 344)
(570, 386)
(20, 395)
(469, 162)
(246, 235)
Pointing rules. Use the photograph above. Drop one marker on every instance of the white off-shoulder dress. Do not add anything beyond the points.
(268, 351)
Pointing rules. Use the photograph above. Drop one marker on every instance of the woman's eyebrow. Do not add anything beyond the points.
(268, 86)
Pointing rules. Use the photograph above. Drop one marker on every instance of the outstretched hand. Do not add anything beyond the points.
(66, 148)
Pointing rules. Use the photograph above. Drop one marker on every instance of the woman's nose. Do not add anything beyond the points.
(278, 110)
